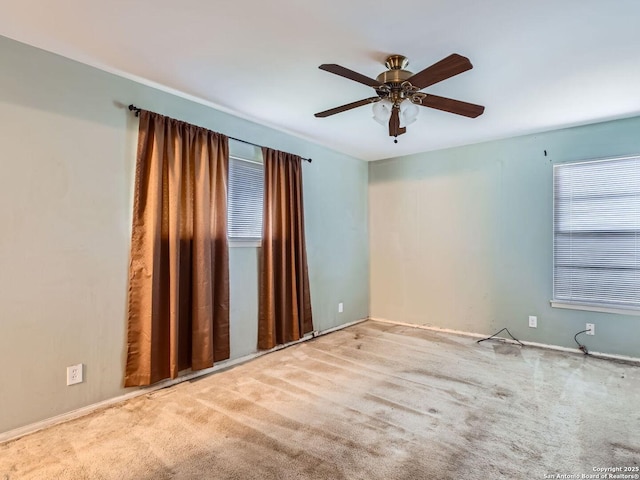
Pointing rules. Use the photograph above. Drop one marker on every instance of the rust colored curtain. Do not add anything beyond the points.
(179, 270)
(285, 301)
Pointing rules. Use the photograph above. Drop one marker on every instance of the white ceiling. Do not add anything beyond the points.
(538, 65)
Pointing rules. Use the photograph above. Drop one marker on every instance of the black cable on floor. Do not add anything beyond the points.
(497, 333)
(580, 346)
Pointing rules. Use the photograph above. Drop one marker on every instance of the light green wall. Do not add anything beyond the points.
(67, 159)
(462, 238)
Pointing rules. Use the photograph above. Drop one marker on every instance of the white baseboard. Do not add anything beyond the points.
(80, 412)
(606, 356)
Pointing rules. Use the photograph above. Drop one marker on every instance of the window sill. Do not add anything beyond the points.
(595, 308)
(245, 243)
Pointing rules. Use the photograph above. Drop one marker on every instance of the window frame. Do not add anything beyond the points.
(234, 242)
(595, 306)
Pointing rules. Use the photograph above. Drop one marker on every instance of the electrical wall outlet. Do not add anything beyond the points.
(591, 329)
(340, 307)
(74, 374)
(533, 321)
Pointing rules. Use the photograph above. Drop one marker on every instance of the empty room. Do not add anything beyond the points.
(334, 240)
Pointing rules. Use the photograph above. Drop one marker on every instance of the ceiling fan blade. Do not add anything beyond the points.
(445, 68)
(450, 105)
(350, 74)
(348, 106)
(394, 123)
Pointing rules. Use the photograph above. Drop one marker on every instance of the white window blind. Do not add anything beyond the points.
(596, 228)
(245, 199)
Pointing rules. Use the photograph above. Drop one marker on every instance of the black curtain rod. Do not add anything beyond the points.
(137, 111)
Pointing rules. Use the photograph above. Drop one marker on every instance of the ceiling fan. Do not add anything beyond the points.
(398, 91)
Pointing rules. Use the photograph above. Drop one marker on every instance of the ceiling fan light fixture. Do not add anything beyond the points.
(398, 94)
(408, 113)
(382, 111)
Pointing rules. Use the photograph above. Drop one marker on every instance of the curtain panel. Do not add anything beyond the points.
(285, 301)
(179, 266)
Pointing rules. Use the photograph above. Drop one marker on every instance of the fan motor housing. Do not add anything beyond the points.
(394, 76)
(396, 73)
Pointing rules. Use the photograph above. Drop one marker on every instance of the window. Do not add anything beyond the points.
(245, 198)
(596, 226)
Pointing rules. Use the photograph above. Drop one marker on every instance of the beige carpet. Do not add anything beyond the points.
(374, 401)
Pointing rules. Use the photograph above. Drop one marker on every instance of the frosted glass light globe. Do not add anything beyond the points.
(408, 113)
(382, 111)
